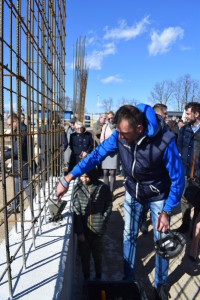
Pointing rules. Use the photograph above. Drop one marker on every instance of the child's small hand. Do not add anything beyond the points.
(81, 237)
(84, 154)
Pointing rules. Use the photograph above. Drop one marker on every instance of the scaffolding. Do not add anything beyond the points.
(32, 81)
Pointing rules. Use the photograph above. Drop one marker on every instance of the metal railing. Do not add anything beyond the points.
(32, 80)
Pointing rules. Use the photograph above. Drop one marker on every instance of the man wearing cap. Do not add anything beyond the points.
(69, 131)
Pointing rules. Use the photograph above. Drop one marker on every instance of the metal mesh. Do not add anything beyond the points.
(32, 81)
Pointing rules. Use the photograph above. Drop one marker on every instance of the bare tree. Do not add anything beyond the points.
(124, 101)
(186, 90)
(178, 94)
(162, 92)
(107, 104)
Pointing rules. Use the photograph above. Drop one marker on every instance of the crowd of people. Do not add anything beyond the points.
(158, 158)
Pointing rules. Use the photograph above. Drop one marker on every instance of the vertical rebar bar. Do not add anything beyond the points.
(3, 146)
(19, 138)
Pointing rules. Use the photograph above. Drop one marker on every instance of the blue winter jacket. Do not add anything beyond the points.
(152, 166)
(188, 143)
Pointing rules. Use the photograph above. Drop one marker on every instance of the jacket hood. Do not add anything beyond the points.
(151, 121)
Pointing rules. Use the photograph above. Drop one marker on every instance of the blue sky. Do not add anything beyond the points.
(131, 45)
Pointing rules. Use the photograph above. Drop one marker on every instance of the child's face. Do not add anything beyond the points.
(85, 179)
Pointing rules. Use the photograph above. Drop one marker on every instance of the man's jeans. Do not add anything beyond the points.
(27, 191)
(132, 215)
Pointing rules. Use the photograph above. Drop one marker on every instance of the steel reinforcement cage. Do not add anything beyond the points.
(32, 81)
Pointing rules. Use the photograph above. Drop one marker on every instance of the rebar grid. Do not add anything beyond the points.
(80, 76)
(32, 80)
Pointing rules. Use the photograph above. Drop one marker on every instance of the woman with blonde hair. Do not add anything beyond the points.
(110, 163)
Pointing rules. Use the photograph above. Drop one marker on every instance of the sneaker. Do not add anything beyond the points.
(161, 292)
(144, 228)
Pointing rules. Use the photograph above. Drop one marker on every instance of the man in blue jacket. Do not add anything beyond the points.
(154, 177)
(188, 144)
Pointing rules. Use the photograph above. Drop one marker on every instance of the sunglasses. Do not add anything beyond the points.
(110, 118)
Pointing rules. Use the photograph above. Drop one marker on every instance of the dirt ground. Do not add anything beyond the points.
(184, 275)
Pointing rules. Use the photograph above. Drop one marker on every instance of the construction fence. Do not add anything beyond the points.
(32, 81)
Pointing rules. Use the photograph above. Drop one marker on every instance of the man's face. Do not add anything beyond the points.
(191, 117)
(72, 125)
(14, 124)
(128, 133)
(164, 114)
(103, 120)
(22, 118)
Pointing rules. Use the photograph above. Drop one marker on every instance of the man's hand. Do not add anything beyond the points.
(162, 223)
(61, 190)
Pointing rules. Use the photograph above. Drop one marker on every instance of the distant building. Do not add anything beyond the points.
(178, 114)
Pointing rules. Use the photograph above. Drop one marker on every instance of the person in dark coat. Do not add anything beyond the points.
(188, 145)
(23, 121)
(92, 207)
(173, 127)
(69, 131)
(81, 143)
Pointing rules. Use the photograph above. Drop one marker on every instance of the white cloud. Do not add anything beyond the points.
(69, 65)
(125, 32)
(90, 41)
(95, 59)
(162, 43)
(183, 48)
(113, 79)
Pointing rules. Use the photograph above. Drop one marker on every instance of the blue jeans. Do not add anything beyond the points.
(132, 215)
(27, 191)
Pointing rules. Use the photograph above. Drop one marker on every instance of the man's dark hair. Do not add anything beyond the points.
(130, 113)
(159, 106)
(195, 107)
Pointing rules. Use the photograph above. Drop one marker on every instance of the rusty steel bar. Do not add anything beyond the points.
(32, 76)
(3, 147)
